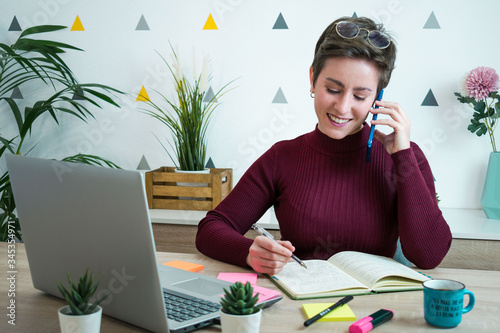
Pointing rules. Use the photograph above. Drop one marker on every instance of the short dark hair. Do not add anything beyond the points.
(331, 45)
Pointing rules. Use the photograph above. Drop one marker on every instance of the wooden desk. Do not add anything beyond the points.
(37, 311)
(464, 253)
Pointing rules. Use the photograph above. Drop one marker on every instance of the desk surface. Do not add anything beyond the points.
(37, 311)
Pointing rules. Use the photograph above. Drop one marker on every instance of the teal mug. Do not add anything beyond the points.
(444, 302)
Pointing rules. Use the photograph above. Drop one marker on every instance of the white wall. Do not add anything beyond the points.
(245, 46)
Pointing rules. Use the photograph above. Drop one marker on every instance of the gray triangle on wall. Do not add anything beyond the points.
(280, 23)
(16, 93)
(79, 95)
(280, 97)
(142, 25)
(143, 164)
(210, 163)
(14, 26)
(354, 15)
(209, 95)
(430, 100)
(432, 22)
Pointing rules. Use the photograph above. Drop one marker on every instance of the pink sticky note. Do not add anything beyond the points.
(238, 277)
(264, 293)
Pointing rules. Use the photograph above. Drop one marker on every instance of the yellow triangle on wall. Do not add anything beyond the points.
(143, 95)
(77, 26)
(210, 24)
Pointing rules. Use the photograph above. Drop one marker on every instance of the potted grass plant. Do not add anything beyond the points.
(38, 64)
(187, 116)
(239, 310)
(80, 315)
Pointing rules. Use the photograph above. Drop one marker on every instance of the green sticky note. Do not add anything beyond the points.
(343, 313)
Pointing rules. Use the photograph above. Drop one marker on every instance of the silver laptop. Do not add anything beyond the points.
(75, 216)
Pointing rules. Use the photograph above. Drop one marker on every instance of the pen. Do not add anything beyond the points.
(372, 129)
(265, 233)
(328, 310)
(366, 324)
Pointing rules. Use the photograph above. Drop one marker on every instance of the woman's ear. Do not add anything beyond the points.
(311, 78)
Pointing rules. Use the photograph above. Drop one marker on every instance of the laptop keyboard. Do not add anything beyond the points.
(181, 307)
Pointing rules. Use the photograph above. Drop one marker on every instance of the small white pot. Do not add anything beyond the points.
(90, 323)
(240, 324)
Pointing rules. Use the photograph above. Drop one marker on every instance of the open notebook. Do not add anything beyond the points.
(347, 273)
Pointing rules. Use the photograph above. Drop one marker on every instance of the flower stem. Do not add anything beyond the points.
(491, 128)
(492, 138)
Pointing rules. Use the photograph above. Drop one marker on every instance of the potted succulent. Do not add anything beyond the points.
(239, 312)
(80, 315)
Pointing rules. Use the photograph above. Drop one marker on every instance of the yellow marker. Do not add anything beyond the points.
(143, 96)
(210, 24)
(77, 26)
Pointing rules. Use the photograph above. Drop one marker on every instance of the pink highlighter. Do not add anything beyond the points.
(366, 324)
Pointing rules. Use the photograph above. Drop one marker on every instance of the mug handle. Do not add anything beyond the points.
(472, 300)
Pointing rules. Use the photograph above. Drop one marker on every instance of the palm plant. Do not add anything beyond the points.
(189, 118)
(37, 61)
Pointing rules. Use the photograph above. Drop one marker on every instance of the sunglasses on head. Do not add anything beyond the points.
(349, 30)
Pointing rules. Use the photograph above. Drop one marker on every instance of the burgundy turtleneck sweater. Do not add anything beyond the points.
(328, 199)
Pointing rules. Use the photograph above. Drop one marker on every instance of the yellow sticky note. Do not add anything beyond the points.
(343, 313)
(187, 266)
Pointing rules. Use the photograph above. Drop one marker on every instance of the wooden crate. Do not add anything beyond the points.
(164, 193)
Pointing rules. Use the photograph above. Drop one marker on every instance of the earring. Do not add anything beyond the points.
(311, 94)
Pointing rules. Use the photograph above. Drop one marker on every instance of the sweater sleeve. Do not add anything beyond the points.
(220, 232)
(425, 236)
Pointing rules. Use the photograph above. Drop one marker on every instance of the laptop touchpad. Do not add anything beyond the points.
(201, 286)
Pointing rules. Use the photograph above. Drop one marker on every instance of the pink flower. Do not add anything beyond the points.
(481, 82)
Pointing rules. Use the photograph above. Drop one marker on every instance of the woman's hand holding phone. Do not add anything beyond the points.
(399, 139)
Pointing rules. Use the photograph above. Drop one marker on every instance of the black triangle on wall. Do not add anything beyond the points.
(432, 22)
(142, 25)
(16, 93)
(209, 96)
(210, 163)
(78, 95)
(280, 97)
(280, 23)
(430, 100)
(14, 26)
(143, 164)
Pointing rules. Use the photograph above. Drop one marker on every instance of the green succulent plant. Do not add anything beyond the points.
(78, 296)
(238, 300)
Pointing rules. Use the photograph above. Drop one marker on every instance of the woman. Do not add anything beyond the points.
(327, 197)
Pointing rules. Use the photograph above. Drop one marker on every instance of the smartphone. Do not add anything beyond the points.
(372, 129)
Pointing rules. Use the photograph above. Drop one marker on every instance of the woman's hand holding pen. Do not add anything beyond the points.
(268, 256)
(400, 138)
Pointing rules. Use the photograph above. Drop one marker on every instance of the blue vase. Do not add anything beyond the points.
(490, 199)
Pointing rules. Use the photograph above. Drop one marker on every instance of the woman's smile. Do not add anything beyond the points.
(338, 121)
